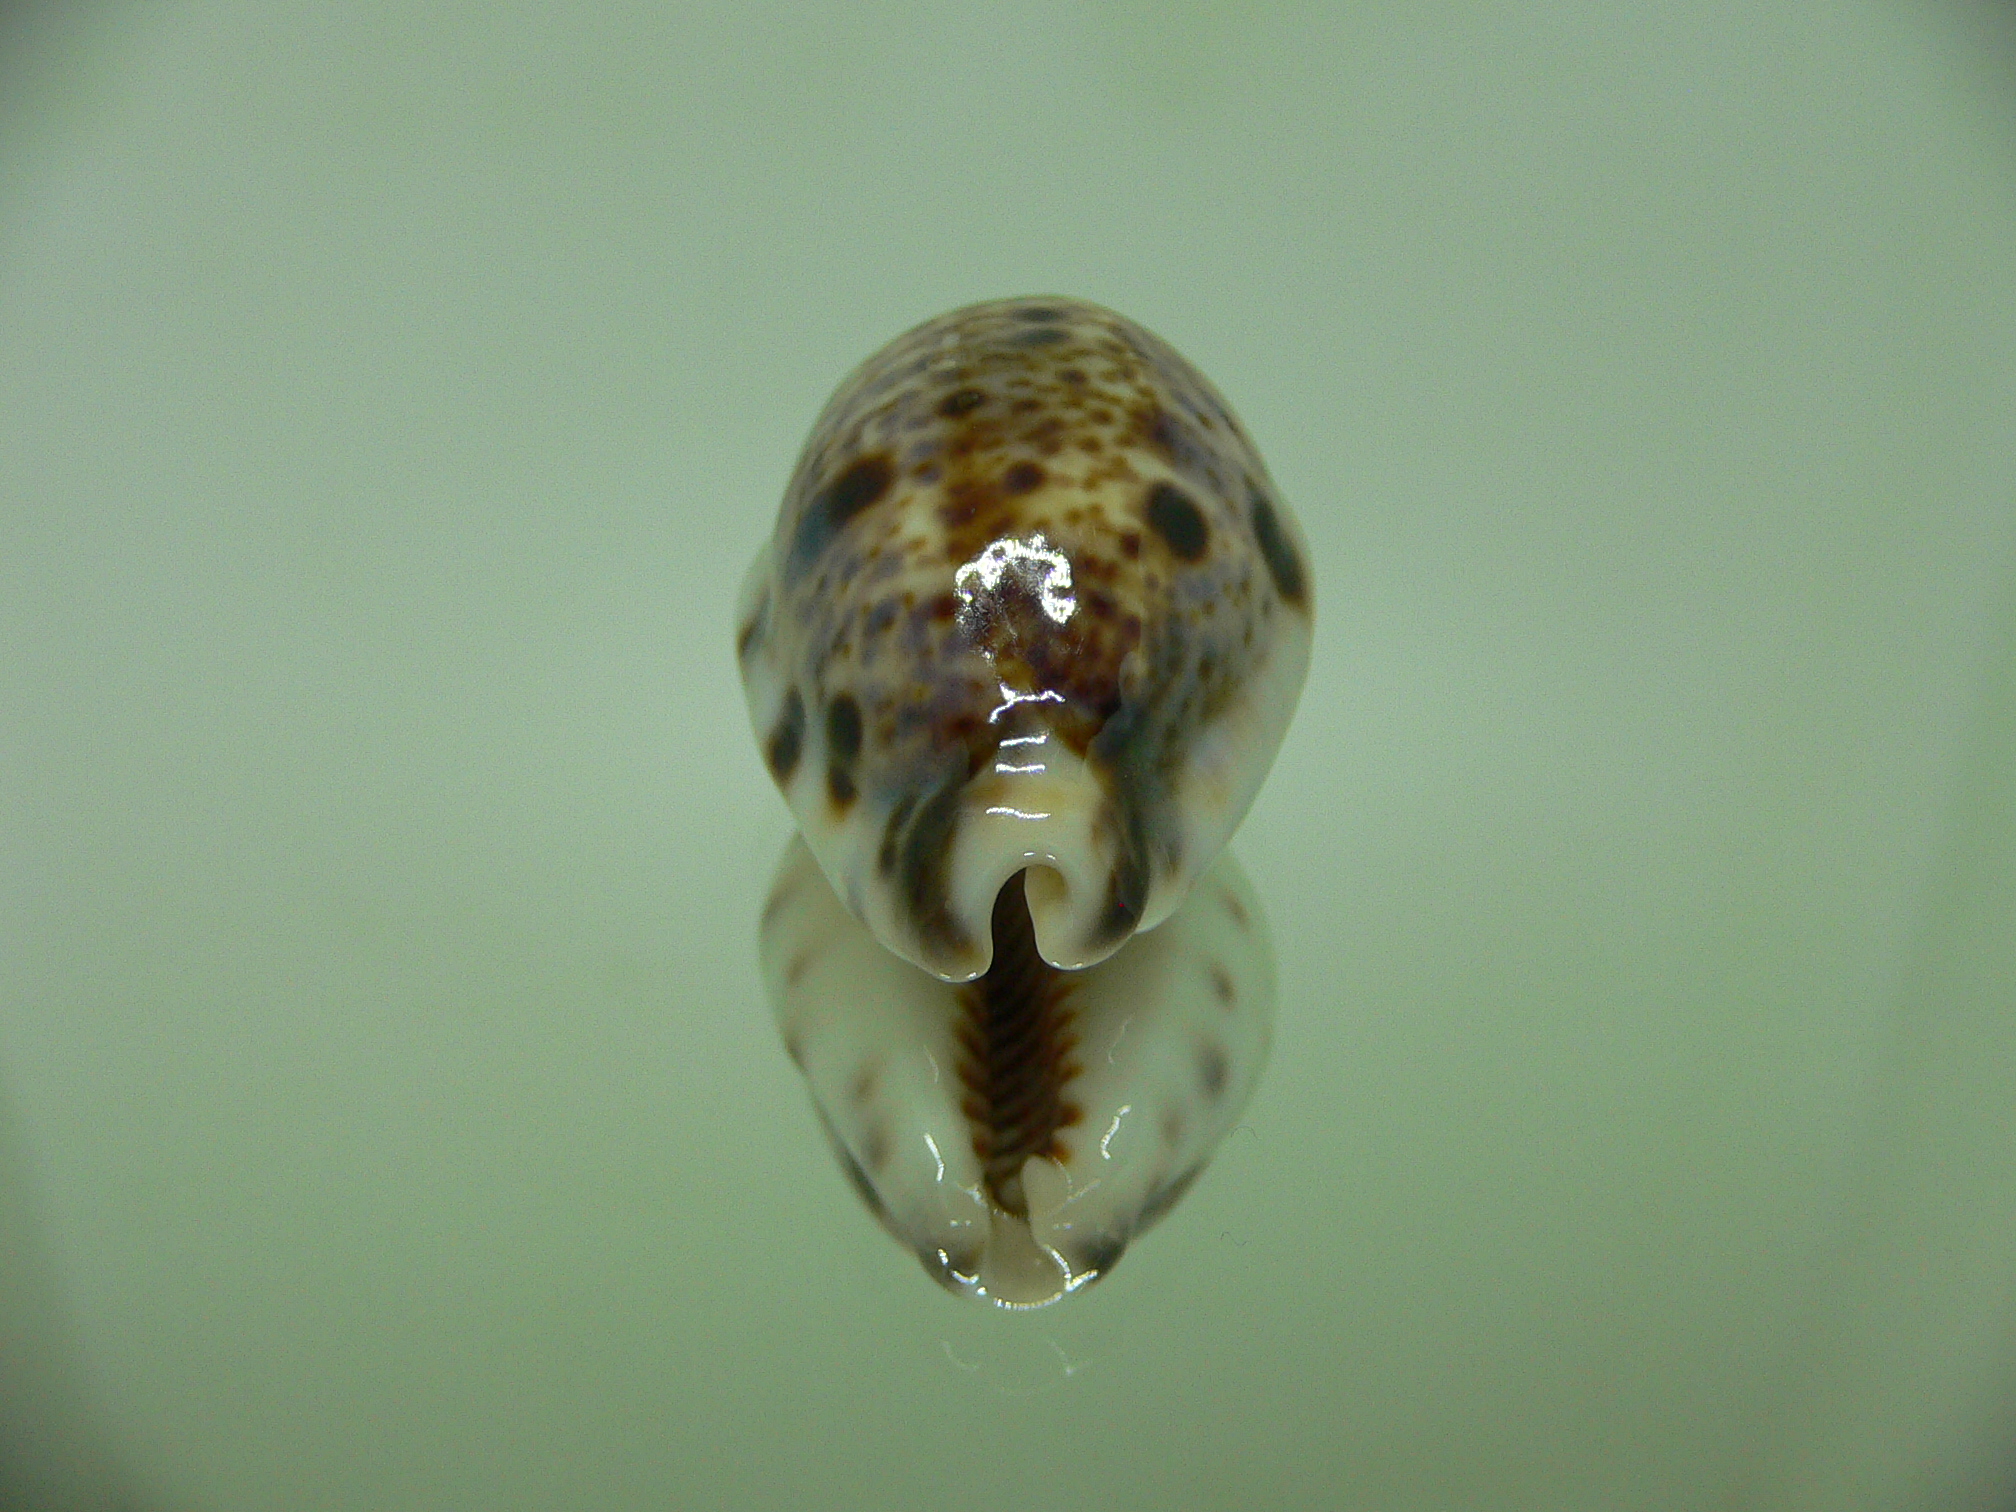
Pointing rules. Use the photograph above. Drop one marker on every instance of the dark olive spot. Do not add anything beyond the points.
(1172, 516)
(856, 1177)
(1132, 749)
(1126, 895)
(892, 833)
(843, 728)
(1213, 1070)
(960, 402)
(1165, 1197)
(840, 785)
(829, 510)
(1021, 478)
(1282, 563)
(1221, 983)
(751, 634)
(1037, 314)
(787, 738)
(960, 506)
(1044, 335)
(1098, 1256)
(777, 903)
(1175, 441)
(924, 859)
(863, 1187)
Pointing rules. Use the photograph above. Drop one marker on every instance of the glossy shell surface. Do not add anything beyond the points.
(1031, 601)
(1018, 654)
(1019, 1178)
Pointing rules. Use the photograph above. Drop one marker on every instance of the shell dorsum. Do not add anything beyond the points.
(1032, 604)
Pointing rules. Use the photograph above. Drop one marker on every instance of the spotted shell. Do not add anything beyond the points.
(1031, 602)
(1018, 653)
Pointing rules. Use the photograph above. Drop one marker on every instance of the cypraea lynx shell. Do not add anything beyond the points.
(1019, 653)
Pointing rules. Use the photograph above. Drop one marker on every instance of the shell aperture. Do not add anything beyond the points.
(1019, 653)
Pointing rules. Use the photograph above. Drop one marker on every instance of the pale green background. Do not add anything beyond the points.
(390, 398)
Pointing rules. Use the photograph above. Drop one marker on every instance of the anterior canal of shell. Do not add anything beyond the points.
(1018, 653)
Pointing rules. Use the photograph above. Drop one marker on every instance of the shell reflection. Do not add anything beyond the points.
(1019, 653)
(1017, 1131)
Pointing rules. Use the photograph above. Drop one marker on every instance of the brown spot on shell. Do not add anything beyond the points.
(860, 484)
(1126, 896)
(1175, 517)
(960, 402)
(1022, 478)
(1221, 983)
(843, 744)
(862, 1086)
(840, 787)
(923, 857)
(787, 738)
(1235, 910)
(1213, 1070)
(1283, 564)
(875, 1148)
(1175, 441)
(892, 833)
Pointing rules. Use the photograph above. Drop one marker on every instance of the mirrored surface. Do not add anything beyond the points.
(389, 403)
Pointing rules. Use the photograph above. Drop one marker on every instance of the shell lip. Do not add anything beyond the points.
(1039, 808)
(1018, 1268)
